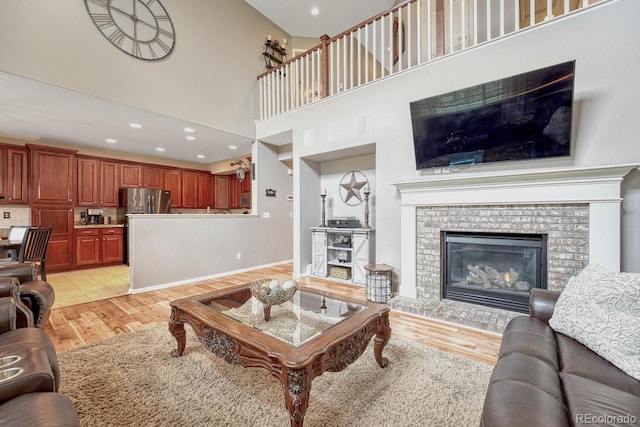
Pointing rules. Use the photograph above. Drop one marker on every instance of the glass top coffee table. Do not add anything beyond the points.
(312, 333)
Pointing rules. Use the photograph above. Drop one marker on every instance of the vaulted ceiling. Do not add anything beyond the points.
(36, 111)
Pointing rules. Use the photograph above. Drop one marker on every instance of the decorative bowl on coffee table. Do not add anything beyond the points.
(273, 292)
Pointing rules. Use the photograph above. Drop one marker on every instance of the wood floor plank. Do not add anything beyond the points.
(81, 324)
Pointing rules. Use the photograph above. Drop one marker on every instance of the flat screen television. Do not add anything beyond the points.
(527, 116)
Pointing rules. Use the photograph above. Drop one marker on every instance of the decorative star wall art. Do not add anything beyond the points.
(351, 186)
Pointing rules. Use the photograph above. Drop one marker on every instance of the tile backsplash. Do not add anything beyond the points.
(18, 215)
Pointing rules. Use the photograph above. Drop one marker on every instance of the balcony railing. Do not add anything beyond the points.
(413, 33)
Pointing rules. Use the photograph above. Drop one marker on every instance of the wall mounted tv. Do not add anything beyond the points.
(527, 116)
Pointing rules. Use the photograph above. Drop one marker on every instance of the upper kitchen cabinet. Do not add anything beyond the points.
(97, 182)
(239, 192)
(140, 175)
(130, 175)
(52, 175)
(189, 189)
(153, 177)
(15, 185)
(221, 191)
(205, 190)
(173, 183)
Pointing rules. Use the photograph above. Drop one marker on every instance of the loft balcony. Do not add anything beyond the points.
(411, 34)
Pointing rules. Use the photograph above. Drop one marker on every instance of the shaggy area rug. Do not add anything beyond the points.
(131, 379)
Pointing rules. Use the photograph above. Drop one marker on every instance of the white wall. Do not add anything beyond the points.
(606, 127)
(332, 173)
(168, 250)
(273, 174)
(209, 78)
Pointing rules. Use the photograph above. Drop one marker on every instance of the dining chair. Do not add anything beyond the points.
(35, 248)
(17, 233)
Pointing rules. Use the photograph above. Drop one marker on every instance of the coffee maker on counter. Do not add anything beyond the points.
(95, 216)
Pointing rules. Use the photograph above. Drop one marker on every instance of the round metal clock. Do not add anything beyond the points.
(140, 28)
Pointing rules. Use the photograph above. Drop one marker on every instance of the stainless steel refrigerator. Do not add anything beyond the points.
(145, 201)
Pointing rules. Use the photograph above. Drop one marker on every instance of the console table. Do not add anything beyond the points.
(342, 253)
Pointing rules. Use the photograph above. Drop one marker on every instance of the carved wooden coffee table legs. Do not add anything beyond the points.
(176, 327)
(381, 339)
(297, 386)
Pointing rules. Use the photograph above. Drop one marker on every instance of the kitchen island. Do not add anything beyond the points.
(173, 249)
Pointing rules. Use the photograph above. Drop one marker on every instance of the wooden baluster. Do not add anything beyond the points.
(325, 66)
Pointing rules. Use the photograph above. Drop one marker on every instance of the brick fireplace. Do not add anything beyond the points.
(577, 211)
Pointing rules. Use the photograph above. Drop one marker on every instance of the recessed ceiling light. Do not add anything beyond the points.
(233, 147)
(111, 140)
(159, 149)
(191, 137)
(315, 11)
(200, 156)
(135, 125)
(190, 130)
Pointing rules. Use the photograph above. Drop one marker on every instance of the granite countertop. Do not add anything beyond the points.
(80, 225)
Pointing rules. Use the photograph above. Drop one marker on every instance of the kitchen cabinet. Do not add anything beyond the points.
(173, 183)
(153, 177)
(97, 182)
(189, 189)
(234, 192)
(60, 248)
(231, 193)
(96, 246)
(239, 192)
(16, 189)
(87, 246)
(52, 175)
(130, 175)
(87, 182)
(205, 190)
(221, 191)
(112, 245)
(108, 185)
(53, 191)
(140, 175)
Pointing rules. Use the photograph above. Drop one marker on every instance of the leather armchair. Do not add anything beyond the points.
(30, 397)
(11, 307)
(7, 315)
(34, 295)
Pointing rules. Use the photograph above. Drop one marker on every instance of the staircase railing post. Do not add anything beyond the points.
(324, 91)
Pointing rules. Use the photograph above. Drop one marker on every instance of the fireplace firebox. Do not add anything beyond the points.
(493, 269)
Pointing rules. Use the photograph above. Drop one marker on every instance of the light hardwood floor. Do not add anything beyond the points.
(72, 325)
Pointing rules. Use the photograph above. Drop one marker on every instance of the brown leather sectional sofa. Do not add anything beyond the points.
(544, 378)
(29, 372)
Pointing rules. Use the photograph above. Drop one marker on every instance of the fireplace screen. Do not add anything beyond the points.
(495, 270)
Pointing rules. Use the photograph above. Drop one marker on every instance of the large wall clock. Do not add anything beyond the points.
(140, 28)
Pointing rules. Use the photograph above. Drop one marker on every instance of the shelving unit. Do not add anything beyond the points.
(342, 253)
(273, 53)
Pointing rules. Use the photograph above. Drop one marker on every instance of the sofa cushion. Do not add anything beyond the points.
(577, 359)
(591, 402)
(39, 409)
(13, 342)
(526, 335)
(602, 311)
(524, 391)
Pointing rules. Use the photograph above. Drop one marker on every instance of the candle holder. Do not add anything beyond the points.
(324, 215)
(366, 208)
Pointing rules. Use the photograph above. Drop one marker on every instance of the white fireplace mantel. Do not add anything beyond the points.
(600, 187)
